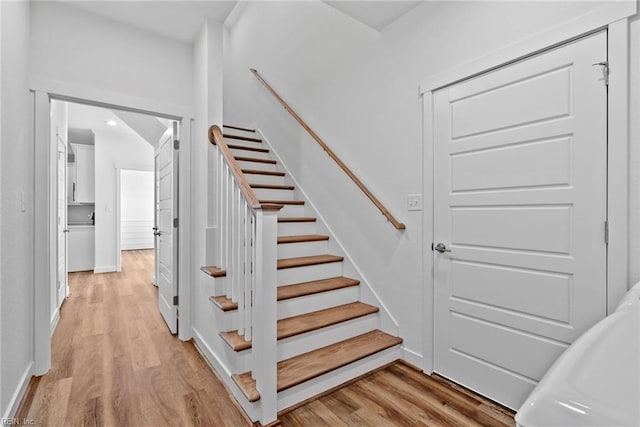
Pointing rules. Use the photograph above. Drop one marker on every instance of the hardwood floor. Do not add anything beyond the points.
(114, 363)
(399, 396)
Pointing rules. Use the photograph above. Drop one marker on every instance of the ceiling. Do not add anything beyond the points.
(182, 19)
(177, 19)
(375, 14)
(95, 118)
(143, 126)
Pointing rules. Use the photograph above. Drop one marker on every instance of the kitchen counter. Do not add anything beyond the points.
(81, 253)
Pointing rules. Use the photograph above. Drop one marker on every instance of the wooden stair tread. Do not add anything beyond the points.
(272, 186)
(283, 202)
(244, 147)
(296, 219)
(259, 172)
(314, 287)
(224, 303)
(254, 159)
(307, 322)
(307, 366)
(241, 137)
(247, 386)
(302, 238)
(235, 341)
(239, 128)
(304, 261)
(322, 318)
(214, 271)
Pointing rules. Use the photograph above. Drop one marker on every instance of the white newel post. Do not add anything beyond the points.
(264, 337)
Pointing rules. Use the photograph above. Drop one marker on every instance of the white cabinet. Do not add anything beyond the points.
(81, 254)
(81, 174)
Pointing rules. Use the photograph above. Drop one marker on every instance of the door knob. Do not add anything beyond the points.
(156, 233)
(155, 228)
(442, 248)
(66, 230)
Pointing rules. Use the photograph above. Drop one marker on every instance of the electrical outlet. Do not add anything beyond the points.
(414, 202)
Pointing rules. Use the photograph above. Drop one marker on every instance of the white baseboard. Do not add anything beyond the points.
(107, 269)
(12, 408)
(412, 357)
(54, 320)
(210, 354)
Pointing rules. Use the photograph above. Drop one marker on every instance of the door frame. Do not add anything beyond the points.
(118, 212)
(612, 17)
(45, 207)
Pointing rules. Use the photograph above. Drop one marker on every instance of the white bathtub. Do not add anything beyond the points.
(596, 381)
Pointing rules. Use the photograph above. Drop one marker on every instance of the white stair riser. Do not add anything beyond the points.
(273, 194)
(225, 320)
(256, 165)
(320, 301)
(308, 389)
(303, 343)
(298, 344)
(295, 228)
(291, 210)
(249, 153)
(289, 276)
(264, 179)
(290, 250)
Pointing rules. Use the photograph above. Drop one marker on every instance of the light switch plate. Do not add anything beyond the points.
(414, 202)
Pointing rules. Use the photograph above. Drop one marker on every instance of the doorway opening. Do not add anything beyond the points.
(103, 170)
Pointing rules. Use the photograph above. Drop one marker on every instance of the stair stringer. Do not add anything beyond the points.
(368, 295)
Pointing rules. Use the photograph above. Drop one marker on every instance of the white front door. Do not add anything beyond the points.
(61, 287)
(167, 217)
(520, 201)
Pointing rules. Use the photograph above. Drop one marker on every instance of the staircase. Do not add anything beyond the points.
(326, 334)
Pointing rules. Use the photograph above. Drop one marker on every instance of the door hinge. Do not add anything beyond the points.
(606, 232)
(605, 71)
(176, 144)
(175, 300)
(175, 222)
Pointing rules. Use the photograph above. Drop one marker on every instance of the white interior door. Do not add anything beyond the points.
(167, 238)
(61, 291)
(520, 201)
(156, 215)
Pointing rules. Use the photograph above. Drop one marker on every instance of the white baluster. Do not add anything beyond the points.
(265, 309)
(220, 171)
(248, 274)
(241, 267)
(228, 225)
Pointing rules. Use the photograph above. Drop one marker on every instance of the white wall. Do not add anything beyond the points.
(136, 209)
(114, 150)
(358, 88)
(208, 101)
(84, 55)
(16, 177)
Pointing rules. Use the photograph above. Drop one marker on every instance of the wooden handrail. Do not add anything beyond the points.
(215, 137)
(329, 151)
